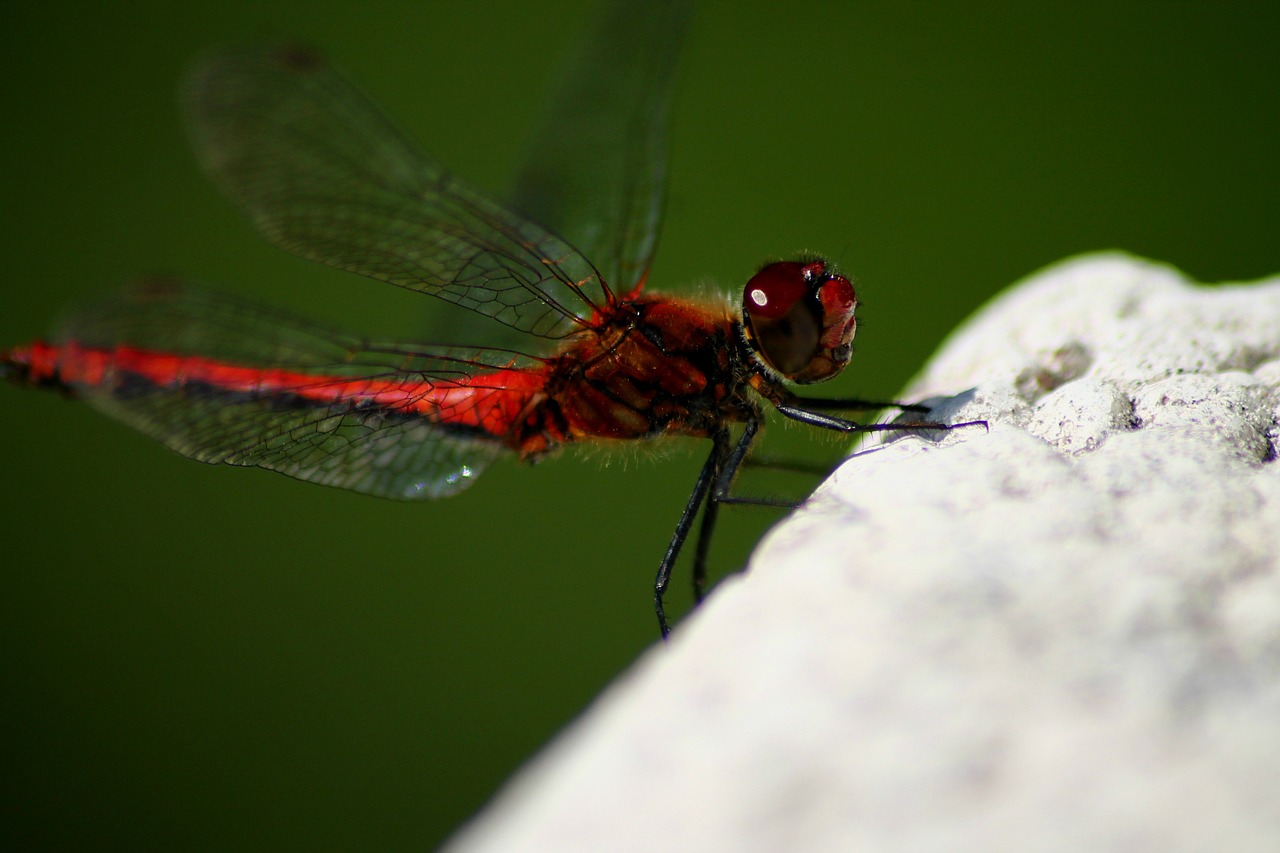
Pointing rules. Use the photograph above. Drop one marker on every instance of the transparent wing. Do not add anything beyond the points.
(324, 174)
(227, 381)
(596, 174)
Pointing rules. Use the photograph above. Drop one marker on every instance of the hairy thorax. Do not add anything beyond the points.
(661, 367)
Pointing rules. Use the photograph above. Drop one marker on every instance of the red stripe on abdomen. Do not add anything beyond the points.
(490, 401)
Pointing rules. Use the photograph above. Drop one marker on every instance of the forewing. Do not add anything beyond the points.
(596, 174)
(345, 442)
(324, 174)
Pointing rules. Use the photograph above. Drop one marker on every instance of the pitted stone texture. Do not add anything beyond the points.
(1059, 634)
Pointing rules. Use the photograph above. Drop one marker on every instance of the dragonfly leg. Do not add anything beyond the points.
(719, 494)
(710, 472)
(824, 405)
(717, 475)
(704, 543)
(831, 422)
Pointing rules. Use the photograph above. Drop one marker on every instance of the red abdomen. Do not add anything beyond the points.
(486, 403)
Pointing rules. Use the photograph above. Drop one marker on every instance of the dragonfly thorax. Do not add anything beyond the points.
(661, 366)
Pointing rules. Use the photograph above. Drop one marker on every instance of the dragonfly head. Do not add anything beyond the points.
(799, 319)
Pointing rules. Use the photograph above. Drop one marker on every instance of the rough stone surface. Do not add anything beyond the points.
(1059, 634)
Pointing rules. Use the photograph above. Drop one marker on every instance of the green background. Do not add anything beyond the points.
(206, 657)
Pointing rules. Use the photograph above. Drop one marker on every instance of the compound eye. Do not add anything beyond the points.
(784, 316)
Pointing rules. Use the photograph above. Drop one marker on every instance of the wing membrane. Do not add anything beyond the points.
(596, 174)
(311, 409)
(324, 174)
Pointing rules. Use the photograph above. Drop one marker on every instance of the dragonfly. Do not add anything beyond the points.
(553, 338)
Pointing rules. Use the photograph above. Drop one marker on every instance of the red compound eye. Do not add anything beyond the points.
(800, 319)
(775, 290)
(784, 315)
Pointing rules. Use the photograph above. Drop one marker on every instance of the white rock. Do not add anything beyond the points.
(1061, 634)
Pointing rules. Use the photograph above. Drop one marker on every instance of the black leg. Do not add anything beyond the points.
(818, 419)
(719, 493)
(710, 471)
(819, 404)
(718, 472)
(709, 515)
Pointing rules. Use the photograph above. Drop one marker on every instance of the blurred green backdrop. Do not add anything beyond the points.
(208, 657)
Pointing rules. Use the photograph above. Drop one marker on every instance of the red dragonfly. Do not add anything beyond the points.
(571, 349)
